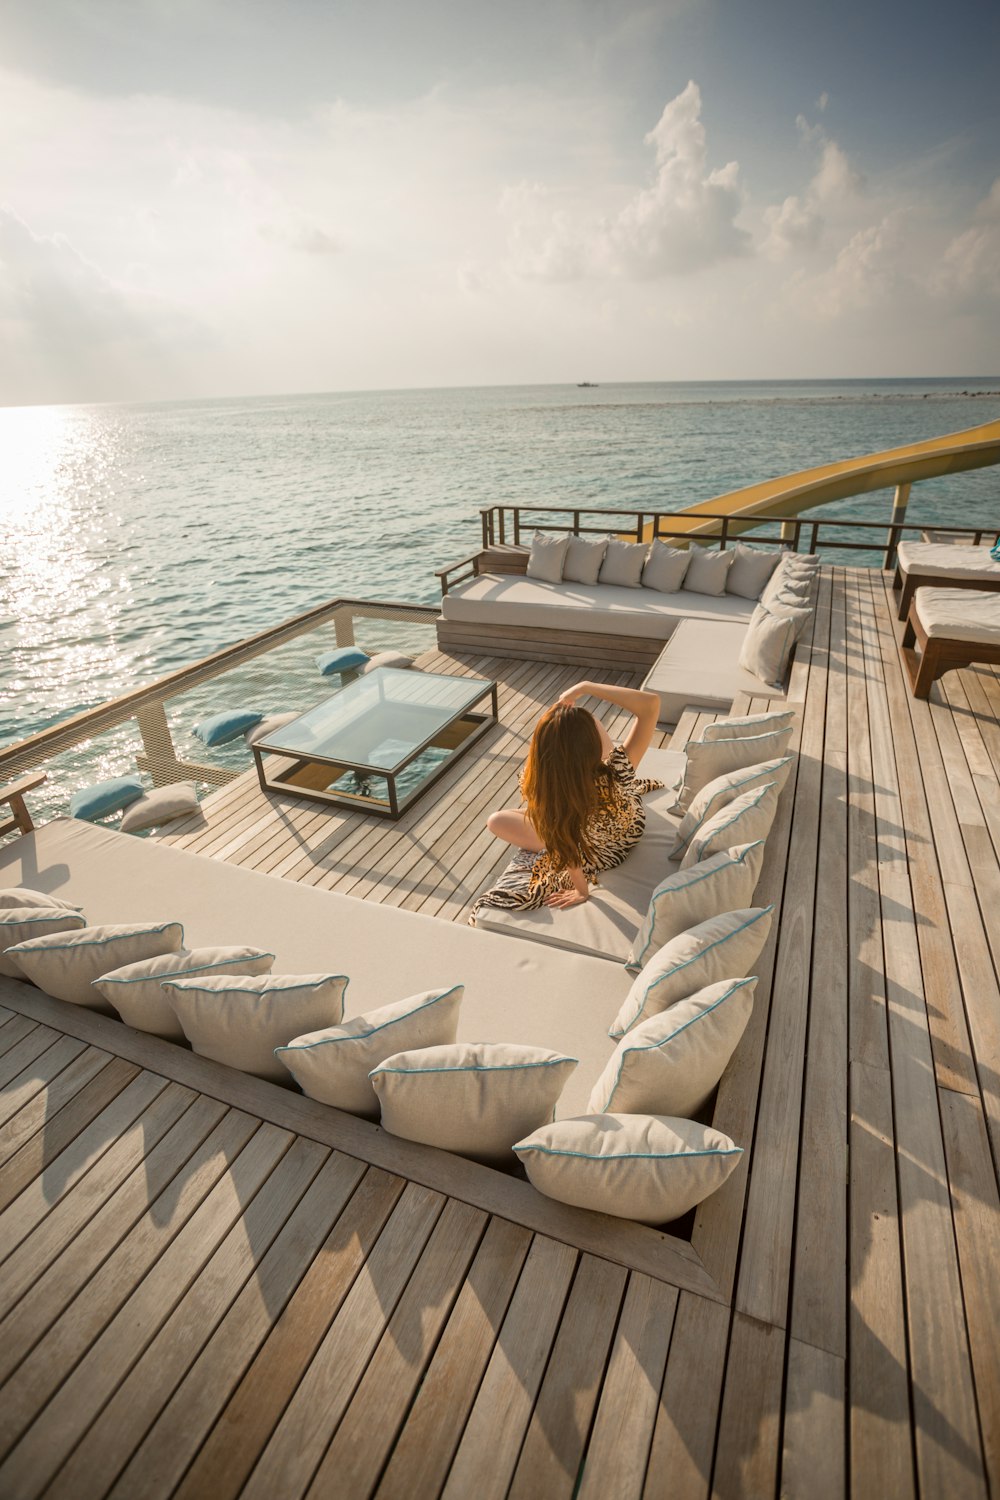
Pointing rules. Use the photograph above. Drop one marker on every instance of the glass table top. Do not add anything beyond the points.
(380, 719)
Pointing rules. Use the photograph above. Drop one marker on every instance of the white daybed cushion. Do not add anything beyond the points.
(940, 559)
(546, 558)
(134, 990)
(66, 964)
(562, 1001)
(709, 759)
(470, 1098)
(751, 568)
(511, 599)
(24, 896)
(708, 570)
(333, 1065)
(748, 724)
(606, 924)
(239, 1020)
(723, 882)
(161, 805)
(717, 949)
(651, 1168)
(665, 567)
(623, 564)
(744, 820)
(669, 1064)
(583, 559)
(18, 924)
(959, 614)
(717, 794)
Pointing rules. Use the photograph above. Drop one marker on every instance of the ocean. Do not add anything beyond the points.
(138, 538)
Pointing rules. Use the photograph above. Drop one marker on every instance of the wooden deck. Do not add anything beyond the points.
(209, 1289)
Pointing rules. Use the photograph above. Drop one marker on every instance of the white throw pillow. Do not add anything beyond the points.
(473, 1098)
(708, 570)
(19, 924)
(722, 882)
(134, 990)
(22, 896)
(717, 794)
(396, 659)
(160, 806)
(665, 567)
(623, 563)
(670, 1064)
(744, 820)
(66, 964)
(240, 1020)
(768, 644)
(546, 558)
(708, 759)
(269, 726)
(750, 570)
(583, 559)
(652, 1168)
(717, 949)
(749, 724)
(333, 1065)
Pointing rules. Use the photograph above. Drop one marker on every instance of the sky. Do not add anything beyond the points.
(238, 197)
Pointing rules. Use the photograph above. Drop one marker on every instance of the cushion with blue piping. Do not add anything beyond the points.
(717, 794)
(743, 725)
(134, 989)
(743, 821)
(19, 924)
(652, 1168)
(23, 896)
(66, 964)
(717, 949)
(229, 724)
(670, 1063)
(707, 759)
(105, 797)
(473, 1098)
(772, 632)
(240, 1019)
(343, 659)
(723, 882)
(333, 1065)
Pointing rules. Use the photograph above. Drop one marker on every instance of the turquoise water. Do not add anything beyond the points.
(138, 538)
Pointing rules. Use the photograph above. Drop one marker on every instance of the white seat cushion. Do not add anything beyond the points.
(700, 664)
(609, 609)
(959, 614)
(938, 559)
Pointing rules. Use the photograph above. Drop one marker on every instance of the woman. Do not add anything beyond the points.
(582, 809)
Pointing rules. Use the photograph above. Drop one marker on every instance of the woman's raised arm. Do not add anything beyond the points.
(644, 705)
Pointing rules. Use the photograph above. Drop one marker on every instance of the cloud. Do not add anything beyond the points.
(684, 221)
(822, 102)
(797, 224)
(969, 271)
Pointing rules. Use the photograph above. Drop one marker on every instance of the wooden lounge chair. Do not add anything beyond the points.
(941, 565)
(954, 627)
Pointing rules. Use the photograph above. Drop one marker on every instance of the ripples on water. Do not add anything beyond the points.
(137, 539)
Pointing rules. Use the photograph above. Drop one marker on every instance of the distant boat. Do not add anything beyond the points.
(586, 385)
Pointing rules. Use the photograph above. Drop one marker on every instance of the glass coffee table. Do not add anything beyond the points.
(379, 743)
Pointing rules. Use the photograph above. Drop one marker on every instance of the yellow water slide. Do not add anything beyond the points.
(975, 448)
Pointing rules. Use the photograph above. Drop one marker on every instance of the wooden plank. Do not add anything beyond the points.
(290, 1458)
(126, 1418)
(814, 1444)
(485, 1459)
(100, 1298)
(184, 1421)
(42, 1107)
(680, 1460)
(37, 1076)
(424, 1450)
(747, 1450)
(616, 1459)
(29, 1047)
(365, 1438)
(560, 1424)
(12, 1032)
(976, 1207)
(250, 1416)
(32, 1463)
(34, 1157)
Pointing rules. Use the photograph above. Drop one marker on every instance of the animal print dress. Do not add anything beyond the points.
(614, 829)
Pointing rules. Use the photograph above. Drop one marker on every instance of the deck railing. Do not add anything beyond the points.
(140, 725)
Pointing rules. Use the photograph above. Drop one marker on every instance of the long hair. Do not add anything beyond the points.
(561, 782)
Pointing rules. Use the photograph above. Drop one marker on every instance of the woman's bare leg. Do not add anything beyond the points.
(514, 828)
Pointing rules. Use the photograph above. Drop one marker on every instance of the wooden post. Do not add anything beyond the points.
(899, 504)
(789, 533)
